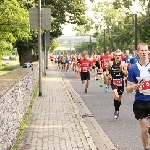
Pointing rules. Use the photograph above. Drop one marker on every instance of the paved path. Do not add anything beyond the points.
(55, 122)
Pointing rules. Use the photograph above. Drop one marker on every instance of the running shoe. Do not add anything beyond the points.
(101, 85)
(116, 114)
(106, 89)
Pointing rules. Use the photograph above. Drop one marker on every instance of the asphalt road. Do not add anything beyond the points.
(125, 131)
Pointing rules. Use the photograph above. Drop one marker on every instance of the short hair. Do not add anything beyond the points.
(118, 51)
(141, 44)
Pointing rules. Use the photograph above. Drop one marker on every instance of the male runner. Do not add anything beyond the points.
(127, 61)
(139, 80)
(135, 58)
(94, 60)
(100, 72)
(116, 70)
(104, 61)
(85, 66)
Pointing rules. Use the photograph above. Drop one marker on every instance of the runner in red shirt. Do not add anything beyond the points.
(51, 58)
(105, 59)
(85, 67)
(93, 61)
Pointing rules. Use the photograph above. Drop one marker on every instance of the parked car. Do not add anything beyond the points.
(12, 57)
(5, 57)
(27, 65)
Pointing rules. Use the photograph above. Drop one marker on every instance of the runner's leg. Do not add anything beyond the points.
(144, 132)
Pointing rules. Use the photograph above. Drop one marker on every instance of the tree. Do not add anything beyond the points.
(54, 45)
(14, 24)
(62, 12)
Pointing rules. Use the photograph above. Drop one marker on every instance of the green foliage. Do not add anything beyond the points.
(14, 24)
(82, 47)
(54, 44)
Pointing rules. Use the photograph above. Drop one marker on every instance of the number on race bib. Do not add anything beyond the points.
(85, 69)
(117, 82)
(146, 85)
(100, 71)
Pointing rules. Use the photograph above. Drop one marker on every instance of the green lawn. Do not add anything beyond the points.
(8, 66)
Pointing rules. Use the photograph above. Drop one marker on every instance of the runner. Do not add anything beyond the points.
(51, 58)
(115, 72)
(104, 61)
(77, 65)
(100, 72)
(137, 73)
(63, 61)
(94, 60)
(67, 63)
(59, 60)
(135, 58)
(127, 61)
(85, 66)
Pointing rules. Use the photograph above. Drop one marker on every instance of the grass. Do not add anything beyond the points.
(8, 66)
(24, 122)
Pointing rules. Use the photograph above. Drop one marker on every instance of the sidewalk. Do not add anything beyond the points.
(55, 122)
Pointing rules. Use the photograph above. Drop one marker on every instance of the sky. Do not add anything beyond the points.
(67, 31)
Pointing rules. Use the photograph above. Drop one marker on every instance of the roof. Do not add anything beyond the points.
(73, 40)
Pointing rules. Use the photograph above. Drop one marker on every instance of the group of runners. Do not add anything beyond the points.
(118, 70)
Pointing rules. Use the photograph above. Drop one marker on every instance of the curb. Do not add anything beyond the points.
(96, 137)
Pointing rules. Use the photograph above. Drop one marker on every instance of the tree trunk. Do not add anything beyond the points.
(25, 54)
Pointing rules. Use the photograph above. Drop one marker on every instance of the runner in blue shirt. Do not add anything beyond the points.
(127, 61)
(134, 59)
(139, 80)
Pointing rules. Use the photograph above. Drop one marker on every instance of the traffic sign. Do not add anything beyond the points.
(45, 18)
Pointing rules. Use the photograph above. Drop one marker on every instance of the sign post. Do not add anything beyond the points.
(40, 19)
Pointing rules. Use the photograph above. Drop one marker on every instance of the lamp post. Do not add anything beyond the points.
(90, 45)
(135, 31)
(136, 9)
(39, 47)
(104, 40)
(104, 28)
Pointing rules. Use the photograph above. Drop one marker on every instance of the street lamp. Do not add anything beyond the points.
(104, 38)
(90, 45)
(136, 9)
(39, 47)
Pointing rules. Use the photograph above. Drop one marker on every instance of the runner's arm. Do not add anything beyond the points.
(124, 70)
(131, 86)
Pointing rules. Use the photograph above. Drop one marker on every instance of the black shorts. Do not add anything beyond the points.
(85, 76)
(141, 109)
(120, 89)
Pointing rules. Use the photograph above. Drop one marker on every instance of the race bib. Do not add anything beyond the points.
(106, 63)
(85, 69)
(145, 88)
(100, 71)
(117, 82)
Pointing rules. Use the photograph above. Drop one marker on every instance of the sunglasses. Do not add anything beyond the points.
(118, 55)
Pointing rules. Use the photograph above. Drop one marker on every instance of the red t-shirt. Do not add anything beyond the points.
(85, 65)
(123, 58)
(105, 60)
(51, 57)
(94, 60)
